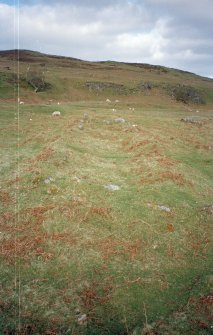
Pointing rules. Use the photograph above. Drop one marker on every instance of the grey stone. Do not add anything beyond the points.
(120, 120)
(81, 126)
(208, 209)
(191, 119)
(48, 180)
(82, 319)
(78, 180)
(112, 187)
(164, 208)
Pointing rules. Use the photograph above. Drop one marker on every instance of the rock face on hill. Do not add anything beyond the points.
(97, 86)
(186, 94)
(104, 86)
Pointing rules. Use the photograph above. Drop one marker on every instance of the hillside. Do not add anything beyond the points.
(105, 198)
(70, 79)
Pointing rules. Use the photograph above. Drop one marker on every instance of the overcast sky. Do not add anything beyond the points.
(174, 33)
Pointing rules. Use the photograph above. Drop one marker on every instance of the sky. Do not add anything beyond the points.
(173, 33)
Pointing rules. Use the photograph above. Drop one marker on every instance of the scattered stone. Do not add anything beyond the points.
(48, 180)
(82, 319)
(81, 126)
(208, 209)
(120, 120)
(191, 119)
(78, 180)
(164, 208)
(112, 187)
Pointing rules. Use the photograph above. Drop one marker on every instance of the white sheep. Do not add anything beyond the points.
(56, 113)
(21, 102)
(107, 100)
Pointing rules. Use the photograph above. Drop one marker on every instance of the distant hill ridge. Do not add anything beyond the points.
(71, 78)
(29, 55)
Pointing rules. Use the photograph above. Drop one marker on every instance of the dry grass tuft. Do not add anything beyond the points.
(101, 211)
(177, 178)
(5, 197)
(44, 155)
(152, 178)
(110, 247)
(167, 161)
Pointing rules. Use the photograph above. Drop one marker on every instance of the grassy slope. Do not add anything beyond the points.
(73, 245)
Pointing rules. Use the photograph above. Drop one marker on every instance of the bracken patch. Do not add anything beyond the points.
(109, 247)
(101, 211)
(5, 197)
(152, 178)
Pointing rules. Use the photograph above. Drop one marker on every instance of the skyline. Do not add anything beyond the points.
(159, 32)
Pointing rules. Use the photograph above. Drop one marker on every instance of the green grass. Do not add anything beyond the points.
(72, 245)
(8, 85)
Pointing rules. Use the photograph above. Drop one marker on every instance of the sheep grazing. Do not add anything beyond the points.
(56, 113)
(107, 100)
(21, 102)
(116, 101)
(114, 110)
(131, 109)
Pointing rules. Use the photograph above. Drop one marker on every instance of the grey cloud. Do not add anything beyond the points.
(80, 3)
(175, 33)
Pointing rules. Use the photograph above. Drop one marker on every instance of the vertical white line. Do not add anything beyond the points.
(16, 174)
(17, 259)
(19, 272)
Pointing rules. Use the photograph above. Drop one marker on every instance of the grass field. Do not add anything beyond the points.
(78, 258)
(71, 248)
